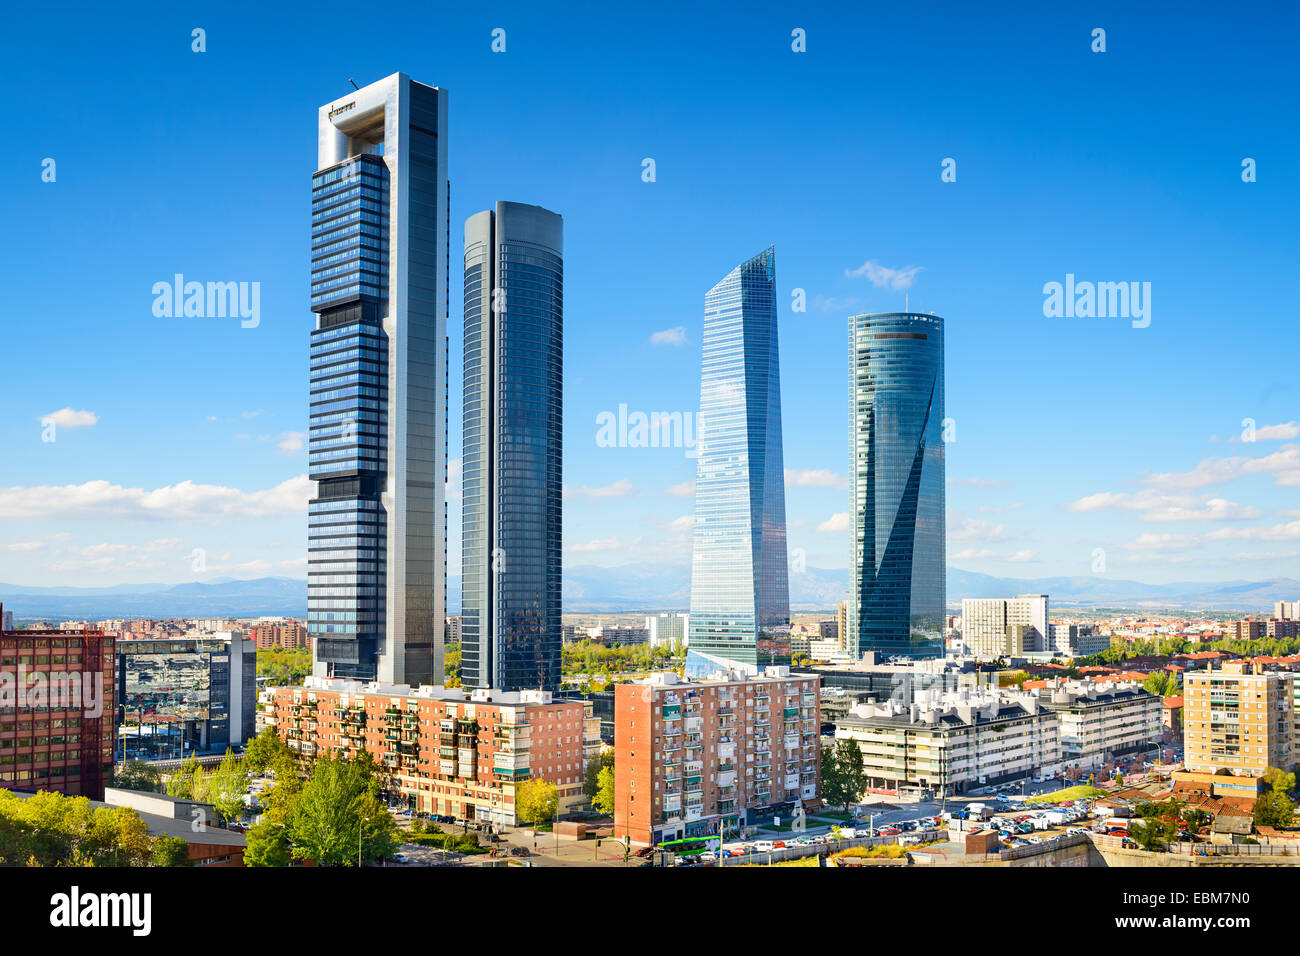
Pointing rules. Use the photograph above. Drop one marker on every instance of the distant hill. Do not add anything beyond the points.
(631, 588)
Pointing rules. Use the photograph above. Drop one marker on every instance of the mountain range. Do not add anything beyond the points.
(633, 588)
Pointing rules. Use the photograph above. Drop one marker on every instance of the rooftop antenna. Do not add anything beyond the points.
(906, 299)
(354, 84)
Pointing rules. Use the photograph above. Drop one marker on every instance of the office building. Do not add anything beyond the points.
(694, 756)
(740, 594)
(185, 696)
(950, 742)
(667, 628)
(456, 751)
(1103, 724)
(56, 710)
(896, 484)
(511, 466)
(376, 526)
(906, 681)
(1078, 640)
(1005, 627)
(1239, 718)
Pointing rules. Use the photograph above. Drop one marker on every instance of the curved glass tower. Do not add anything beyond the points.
(740, 596)
(512, 507)
(896, 484)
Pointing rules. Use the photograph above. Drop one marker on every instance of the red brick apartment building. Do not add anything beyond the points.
(450, 751)
(693, 755)
(289, 635)
(56, 710)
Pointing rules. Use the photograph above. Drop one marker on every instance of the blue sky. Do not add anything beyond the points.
(1071, 434)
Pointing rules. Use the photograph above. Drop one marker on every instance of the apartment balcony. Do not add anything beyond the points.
(672, 712)
(726, 778)
(726, 751)
(692, 815)
(693, 725)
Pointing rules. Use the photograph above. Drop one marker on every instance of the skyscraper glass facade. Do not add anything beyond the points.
(513, 486)
(740, 596)
(896, 484)
(377, 429)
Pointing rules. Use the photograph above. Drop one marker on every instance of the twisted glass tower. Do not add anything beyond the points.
(896, 484)
(513, 486)
(376, 538)
(740, 595)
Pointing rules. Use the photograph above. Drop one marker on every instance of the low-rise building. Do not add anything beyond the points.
(442, 750)
(954, 741)
(693, 756)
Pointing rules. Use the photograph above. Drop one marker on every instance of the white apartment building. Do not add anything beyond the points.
(667, 628)
(1005, 627)
(1103, 722)
(951, 742)
(1078, 640)
(1287, 610)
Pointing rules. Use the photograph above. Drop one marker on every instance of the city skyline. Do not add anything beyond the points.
(1132, 459)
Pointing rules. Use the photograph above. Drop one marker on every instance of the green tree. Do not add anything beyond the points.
(603, 801)
(536, 801)
(1274, 809)
(339, 813)
(181, 782)
(833, 788)
(591, 781)
(137, 775)
(1153, 833)
(1162, 683)
(848, 760)
(263, 750)
(268, 845)
(1279, 780)
(170, 851)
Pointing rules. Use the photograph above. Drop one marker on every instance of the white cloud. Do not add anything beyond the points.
(999, 509)
(685, 490)
(968, 528)
(183, 501)
(882, 276)
(1283, 464)
(1162, 542)
(683, 523)
(25, 546)
(1167, 507)
(1022, 557)
(290, 442)
(1278, 532)
(619, 489)
(814, 478)
(70, 418)
(253, 414)
(823, 303)
(1266, 555)
(984, 554)
(840, 521)
(1283, 430)
(969, 554)
(455, 479)
(600, 544)
(673, 336)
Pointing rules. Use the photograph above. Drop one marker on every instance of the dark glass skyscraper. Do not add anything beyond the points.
(513, 484)
(896, 484)
(740, 595)
(376, 548)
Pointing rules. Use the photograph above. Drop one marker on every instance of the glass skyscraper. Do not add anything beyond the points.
(740, 595)
(513, 485)
(376, 548)
(896, 484)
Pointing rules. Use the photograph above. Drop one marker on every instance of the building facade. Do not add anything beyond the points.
(376, 548)
(740, 594)
(954, 741)
(289, 636)
(693, 756)
(57, 704)
(1238, 718)
(186, 695)
(511, 467)
(452, 751)
(1104, 723)
(896, 484)
(1005, 627)
(667, 628)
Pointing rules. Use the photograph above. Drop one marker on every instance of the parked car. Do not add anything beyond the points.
(764, 846)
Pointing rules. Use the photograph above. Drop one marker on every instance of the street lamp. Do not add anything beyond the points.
(361, 827)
